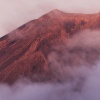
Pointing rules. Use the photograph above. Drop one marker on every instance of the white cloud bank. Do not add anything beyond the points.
(90, 89)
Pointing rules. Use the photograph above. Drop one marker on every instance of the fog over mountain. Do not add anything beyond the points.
(79, 81)
(51, 51)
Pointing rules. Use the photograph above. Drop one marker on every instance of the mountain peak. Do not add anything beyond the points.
(55, 13)
(24, 52)
(56, 10)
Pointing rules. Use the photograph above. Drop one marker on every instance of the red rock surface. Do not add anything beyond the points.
(24, 51)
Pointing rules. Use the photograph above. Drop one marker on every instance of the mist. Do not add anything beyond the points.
(56, 91)
(75, 65)
(65, 91)
(15, 13)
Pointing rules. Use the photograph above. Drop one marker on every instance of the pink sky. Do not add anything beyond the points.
(14, 13)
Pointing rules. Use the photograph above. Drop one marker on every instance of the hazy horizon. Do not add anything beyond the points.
(16, 13)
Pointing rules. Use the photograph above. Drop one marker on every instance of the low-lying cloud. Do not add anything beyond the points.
(71, 90)
(75, 66)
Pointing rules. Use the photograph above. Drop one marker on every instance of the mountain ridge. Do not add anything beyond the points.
(24, 52)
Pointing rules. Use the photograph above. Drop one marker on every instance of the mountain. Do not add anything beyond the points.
(24, 51)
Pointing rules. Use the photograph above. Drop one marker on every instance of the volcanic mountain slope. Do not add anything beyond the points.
(24, 51)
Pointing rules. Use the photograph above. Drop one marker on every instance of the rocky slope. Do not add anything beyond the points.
(24, 51)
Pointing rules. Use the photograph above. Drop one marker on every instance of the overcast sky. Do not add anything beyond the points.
(14, 13)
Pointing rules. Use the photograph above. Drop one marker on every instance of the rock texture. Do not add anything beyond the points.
(24, 51)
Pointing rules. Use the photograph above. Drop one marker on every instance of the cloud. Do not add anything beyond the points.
(85, 39)
(75, 66)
